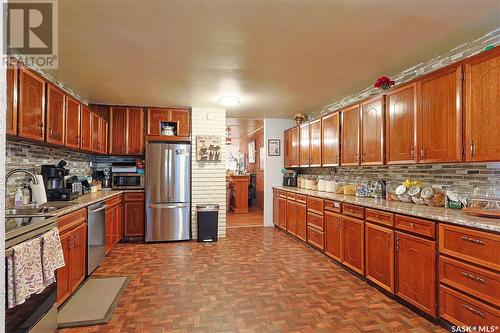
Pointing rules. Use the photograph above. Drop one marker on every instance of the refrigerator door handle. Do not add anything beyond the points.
(168, 205)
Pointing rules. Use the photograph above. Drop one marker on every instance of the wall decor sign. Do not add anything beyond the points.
(251, 152)
(273, 147)
(208, 147)
(262, 156)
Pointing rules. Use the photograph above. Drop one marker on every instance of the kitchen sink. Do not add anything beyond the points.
(36, 210)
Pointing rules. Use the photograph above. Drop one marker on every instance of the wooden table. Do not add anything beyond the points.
(239, 187)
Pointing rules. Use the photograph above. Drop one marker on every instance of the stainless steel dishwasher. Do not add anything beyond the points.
(96, 236)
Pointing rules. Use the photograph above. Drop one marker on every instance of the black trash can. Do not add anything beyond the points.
(208, 222)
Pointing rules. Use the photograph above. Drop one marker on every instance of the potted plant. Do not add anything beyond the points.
(299, 118)
(384, 83)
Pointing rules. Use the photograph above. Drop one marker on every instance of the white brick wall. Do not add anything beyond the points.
(208, 178)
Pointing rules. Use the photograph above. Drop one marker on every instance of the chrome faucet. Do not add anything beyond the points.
(26, 171)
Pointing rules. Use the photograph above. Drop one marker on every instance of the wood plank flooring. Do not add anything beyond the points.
(255, 217)
(254, 280)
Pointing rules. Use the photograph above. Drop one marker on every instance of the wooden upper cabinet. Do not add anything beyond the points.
(400, 125)
(287, 148)
(179, 118)
(135, 131)
(86, 129)
(350, 136)
(103, 136)
(73, 119)
(295, 146)
(56, 107)
(95, 126)
(183, 120)
(31, 111)
(330, 139)
(440, 117)
(482, 100)
(315, 143)
(372, 131)
(12, 91)
(117, 130)
(304, 159)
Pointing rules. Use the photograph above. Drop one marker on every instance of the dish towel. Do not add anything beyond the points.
(24, 272)
(52, 256)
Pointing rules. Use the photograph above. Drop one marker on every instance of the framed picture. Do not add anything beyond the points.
(262, 156)
(208, 148)
(273, 147)
(251, 152)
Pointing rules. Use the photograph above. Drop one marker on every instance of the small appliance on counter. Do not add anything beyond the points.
(55, 183)
(74, 184)
(290, 178)
(106, 180)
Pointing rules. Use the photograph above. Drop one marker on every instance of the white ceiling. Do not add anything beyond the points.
(280, 57)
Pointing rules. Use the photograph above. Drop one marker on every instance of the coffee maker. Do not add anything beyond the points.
(55, 183)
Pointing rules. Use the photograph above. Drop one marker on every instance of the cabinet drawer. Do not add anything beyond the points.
(379, 216)
(315, 221)
(416, 226)
(71, 220)
(478, 247)
(282, 194)
(470, 279)
(301, 198)
(134, 196)
(291, 196)
(353, 210)
(315, 205)
(114, 201)
(315, 237)
(332, 206)
(461, 310)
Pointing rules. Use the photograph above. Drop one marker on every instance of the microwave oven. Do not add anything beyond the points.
(127, 181)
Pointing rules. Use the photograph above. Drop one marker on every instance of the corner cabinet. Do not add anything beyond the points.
(31, 108)
(126, 131)
(330, 139)
(350, 136)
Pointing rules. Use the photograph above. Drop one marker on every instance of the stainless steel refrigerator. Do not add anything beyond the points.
(168, 192)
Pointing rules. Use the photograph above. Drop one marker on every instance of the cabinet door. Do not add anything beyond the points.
(315, 143)
(350, 136)
(119, 223)
(72, 132)
(294, 146)
(482, 98)
(440, 117)
(416, 271)
(400, 125)
(155, 117)
(56, 102)
(78, 256)
(103, 136)
(31, 111)
(291, 217)
(12, 86)
(95, 125)
(109, 223)
(353, 245)
(380, 255)
(135, 131)
(62, 274)
(117, 129)
(282, 212)
(330, 139)
(276, 209)
(134, 218)
(86, 129)
(183, 119)
(287, 149)
(333, 235)
(372, 131)
(301, 221)
(304, 145)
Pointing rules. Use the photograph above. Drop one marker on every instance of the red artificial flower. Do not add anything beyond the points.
(384, 82)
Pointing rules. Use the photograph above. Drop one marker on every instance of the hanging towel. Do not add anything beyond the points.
(52, 255)
(24, 272)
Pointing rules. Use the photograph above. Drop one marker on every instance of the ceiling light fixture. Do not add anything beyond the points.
(229, 100)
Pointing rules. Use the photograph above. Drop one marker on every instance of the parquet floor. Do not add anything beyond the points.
(255, 280)
(255, 217)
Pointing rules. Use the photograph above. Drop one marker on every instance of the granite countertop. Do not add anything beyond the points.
(83, 201)
(451, 216)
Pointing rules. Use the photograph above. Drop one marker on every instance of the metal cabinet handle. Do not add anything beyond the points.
(422, 153)
(475, 311)
(167, 206)
(397, 243)
(473, 277)
(40, 128)
(472, 240)
(472, 148)
(98, 209)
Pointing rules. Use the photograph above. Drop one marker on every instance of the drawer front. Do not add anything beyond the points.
(276, 192)
(315, 237)
(301, 198)
(315, 221)
(333, 206)
(315, 205)
(353, 210)
(461, 310)
(478, 247)
(114, 201)
(290, 196)
(470, 279)
(134, 196)
(415, 225)
(379, 216)
(282, 194)
(71, 220)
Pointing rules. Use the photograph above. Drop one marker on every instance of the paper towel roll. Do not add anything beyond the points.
(38, 191)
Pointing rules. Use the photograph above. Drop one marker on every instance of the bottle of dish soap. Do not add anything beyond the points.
(18, 197)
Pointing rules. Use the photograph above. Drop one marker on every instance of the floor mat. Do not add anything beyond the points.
(93, 303)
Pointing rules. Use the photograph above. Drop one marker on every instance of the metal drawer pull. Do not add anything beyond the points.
(98, 209)
(472, 240)
(473, 277)
(471, 309)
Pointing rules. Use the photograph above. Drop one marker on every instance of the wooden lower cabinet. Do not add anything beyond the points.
(301, 221)
(315, 237)
(353, 245)
(379, 255)
(416, 271)
(282, 213)
(276, 211)
(134, 215)
(291, 217)
(333, 235)
(63, 286)
(114, 222)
